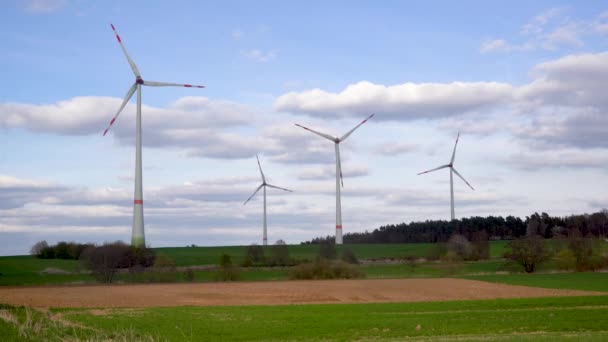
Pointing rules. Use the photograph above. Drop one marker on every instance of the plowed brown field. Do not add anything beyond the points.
(270, 293)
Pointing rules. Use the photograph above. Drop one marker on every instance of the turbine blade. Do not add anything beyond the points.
(459, 175)
(260, 167)
(277, 187)
(124, 103)
(454, 152)
(352, 130)
(255, 192)
(435, 169)
(166, 84)
(131, 63)
(326, 136)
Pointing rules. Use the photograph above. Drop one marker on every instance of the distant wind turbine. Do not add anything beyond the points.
(339, 180)
(452, 171)
(138, 237)
(264, 185)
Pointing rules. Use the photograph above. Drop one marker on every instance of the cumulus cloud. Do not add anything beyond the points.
(406, 101)
(574, 80)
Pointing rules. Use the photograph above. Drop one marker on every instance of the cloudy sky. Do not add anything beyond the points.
(524, 82)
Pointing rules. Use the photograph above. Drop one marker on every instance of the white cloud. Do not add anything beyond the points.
(259, 56)
(394, 148)
(408, 101)
(550, 30)
(45, 6)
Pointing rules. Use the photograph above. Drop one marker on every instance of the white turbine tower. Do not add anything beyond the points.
(452, 171)
(264, 185)
(339, 180)
(138, 237)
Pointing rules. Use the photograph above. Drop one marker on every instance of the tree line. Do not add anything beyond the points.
(476, 228)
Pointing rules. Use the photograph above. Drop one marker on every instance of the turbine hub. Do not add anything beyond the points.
(139, 80)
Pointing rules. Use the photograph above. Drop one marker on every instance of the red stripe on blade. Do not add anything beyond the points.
(118, 37)
(138, 202)
(113, 27)
(188, 85)
(112, 122)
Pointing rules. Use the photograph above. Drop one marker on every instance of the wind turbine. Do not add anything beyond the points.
(452, 171)
(339, 180)
(264, 185)
(138, 238)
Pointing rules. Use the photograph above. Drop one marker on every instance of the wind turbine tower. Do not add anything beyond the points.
(264, 185)
(452, 172)
(337, 141)
(138, 238)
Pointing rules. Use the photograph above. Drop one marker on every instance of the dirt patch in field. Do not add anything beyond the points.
(270, 293)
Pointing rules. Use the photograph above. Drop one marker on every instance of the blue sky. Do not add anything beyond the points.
(522, 82)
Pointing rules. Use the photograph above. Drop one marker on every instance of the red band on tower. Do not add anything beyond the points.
(338, 226)
(138, 201)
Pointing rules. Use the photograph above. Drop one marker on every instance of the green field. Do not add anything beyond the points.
(590, 281)
(536, 319)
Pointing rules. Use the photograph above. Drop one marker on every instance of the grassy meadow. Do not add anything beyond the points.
(27, 270)
(535, 319)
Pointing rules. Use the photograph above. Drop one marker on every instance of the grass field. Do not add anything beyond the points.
(577, 281)
(27, 270)
(537, 319)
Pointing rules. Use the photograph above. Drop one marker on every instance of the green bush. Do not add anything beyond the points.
(227, 271)
(325, 269)
(566, 260)
(327, 250)
(528, 252)
(189, 274)
(349, 257)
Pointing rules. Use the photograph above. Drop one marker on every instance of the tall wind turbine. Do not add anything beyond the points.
(452, 171)
(264, 185)
(339, 180)
(138, 238)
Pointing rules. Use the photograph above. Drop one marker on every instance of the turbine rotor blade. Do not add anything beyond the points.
(277, 187)
(454, 152)
(167, 84)
(131, 63)
(435, 169)
(326, 136)
(352, 130)
(260, 167)
(124, 103)
(255, 192)
(459, 175)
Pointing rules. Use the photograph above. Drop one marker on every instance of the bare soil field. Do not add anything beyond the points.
(270, 293)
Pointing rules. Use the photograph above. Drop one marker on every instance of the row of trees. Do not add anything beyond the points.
(493, 227)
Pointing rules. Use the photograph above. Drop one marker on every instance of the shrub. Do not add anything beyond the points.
(566, 260)
(528, 252)
(189, 274)
(38, 247)
(325, 269)
(587, 253)
(164, 262)
(103, 261)
(280, 255)
(349, 256)
(227, 271)
(327, 250)
(254, 255)
(459, 248)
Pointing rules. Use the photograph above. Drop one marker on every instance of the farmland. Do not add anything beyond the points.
(404, 296)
